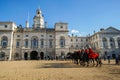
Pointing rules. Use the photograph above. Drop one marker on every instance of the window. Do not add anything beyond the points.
(76, 40)
(76, 46)
(17, 44)
(2, 55)
(104, 41)
(50, 35)
(26, 43)
(42, 43)
(4, 42)
(18, 35)
(61, 27)
(71, 40)
(42, 35)
(50, 43)
(26, 35)
(112, 43)
(5, 26)
(62, 41)
(34, 42)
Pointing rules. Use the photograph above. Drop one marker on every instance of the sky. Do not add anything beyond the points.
(83, 16)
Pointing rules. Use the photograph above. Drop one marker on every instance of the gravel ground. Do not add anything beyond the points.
(56, 70)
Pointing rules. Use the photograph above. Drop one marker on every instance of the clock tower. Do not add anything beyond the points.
(38, 20)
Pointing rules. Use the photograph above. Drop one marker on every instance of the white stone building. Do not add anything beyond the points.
(40, 42)
(106, 40)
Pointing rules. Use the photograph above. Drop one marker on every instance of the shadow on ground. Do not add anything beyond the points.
(58, 65)
(61, 65)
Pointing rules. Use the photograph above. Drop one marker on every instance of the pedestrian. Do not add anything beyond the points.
(116, 59)
(108, 57)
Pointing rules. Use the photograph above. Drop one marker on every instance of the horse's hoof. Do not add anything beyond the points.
(96, 65)
(87, 65)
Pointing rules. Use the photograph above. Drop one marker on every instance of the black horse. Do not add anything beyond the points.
(82, 58)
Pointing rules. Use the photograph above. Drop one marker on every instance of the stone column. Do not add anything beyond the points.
(108, 43)
(100, 43)
(116, 43)
(29, 43)
(39, 42)
(28, 54)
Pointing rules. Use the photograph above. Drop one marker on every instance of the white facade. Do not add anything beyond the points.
(40, 42)
(106, 40)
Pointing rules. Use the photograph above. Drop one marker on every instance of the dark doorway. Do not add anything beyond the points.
(26, 56)
(42, 55)
(113, 56)
(34, 55)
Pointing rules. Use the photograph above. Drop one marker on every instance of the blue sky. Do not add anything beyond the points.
(82, 16)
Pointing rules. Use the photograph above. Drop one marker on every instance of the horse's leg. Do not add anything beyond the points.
(100, 62)
(97, 61)
(87, 62)
(76, 61)
(83, 60)
(93, 62)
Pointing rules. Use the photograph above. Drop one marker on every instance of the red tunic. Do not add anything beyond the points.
(86, 51)
(92, 54)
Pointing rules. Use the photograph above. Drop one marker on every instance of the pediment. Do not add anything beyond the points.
(111, 30)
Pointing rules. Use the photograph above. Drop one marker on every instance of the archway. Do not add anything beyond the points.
(26, 56)
(2, 56)
(42, 55)
(34, 55)
(16, 56)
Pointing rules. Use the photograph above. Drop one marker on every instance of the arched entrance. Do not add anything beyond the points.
(42, 55)
(34, 55)
(2, 56)
(26, 56)
(16, 56)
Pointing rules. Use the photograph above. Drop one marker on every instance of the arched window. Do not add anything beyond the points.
(62, 41)
(34, 42)
(104, 40)
(112, 43)
(4, 42)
